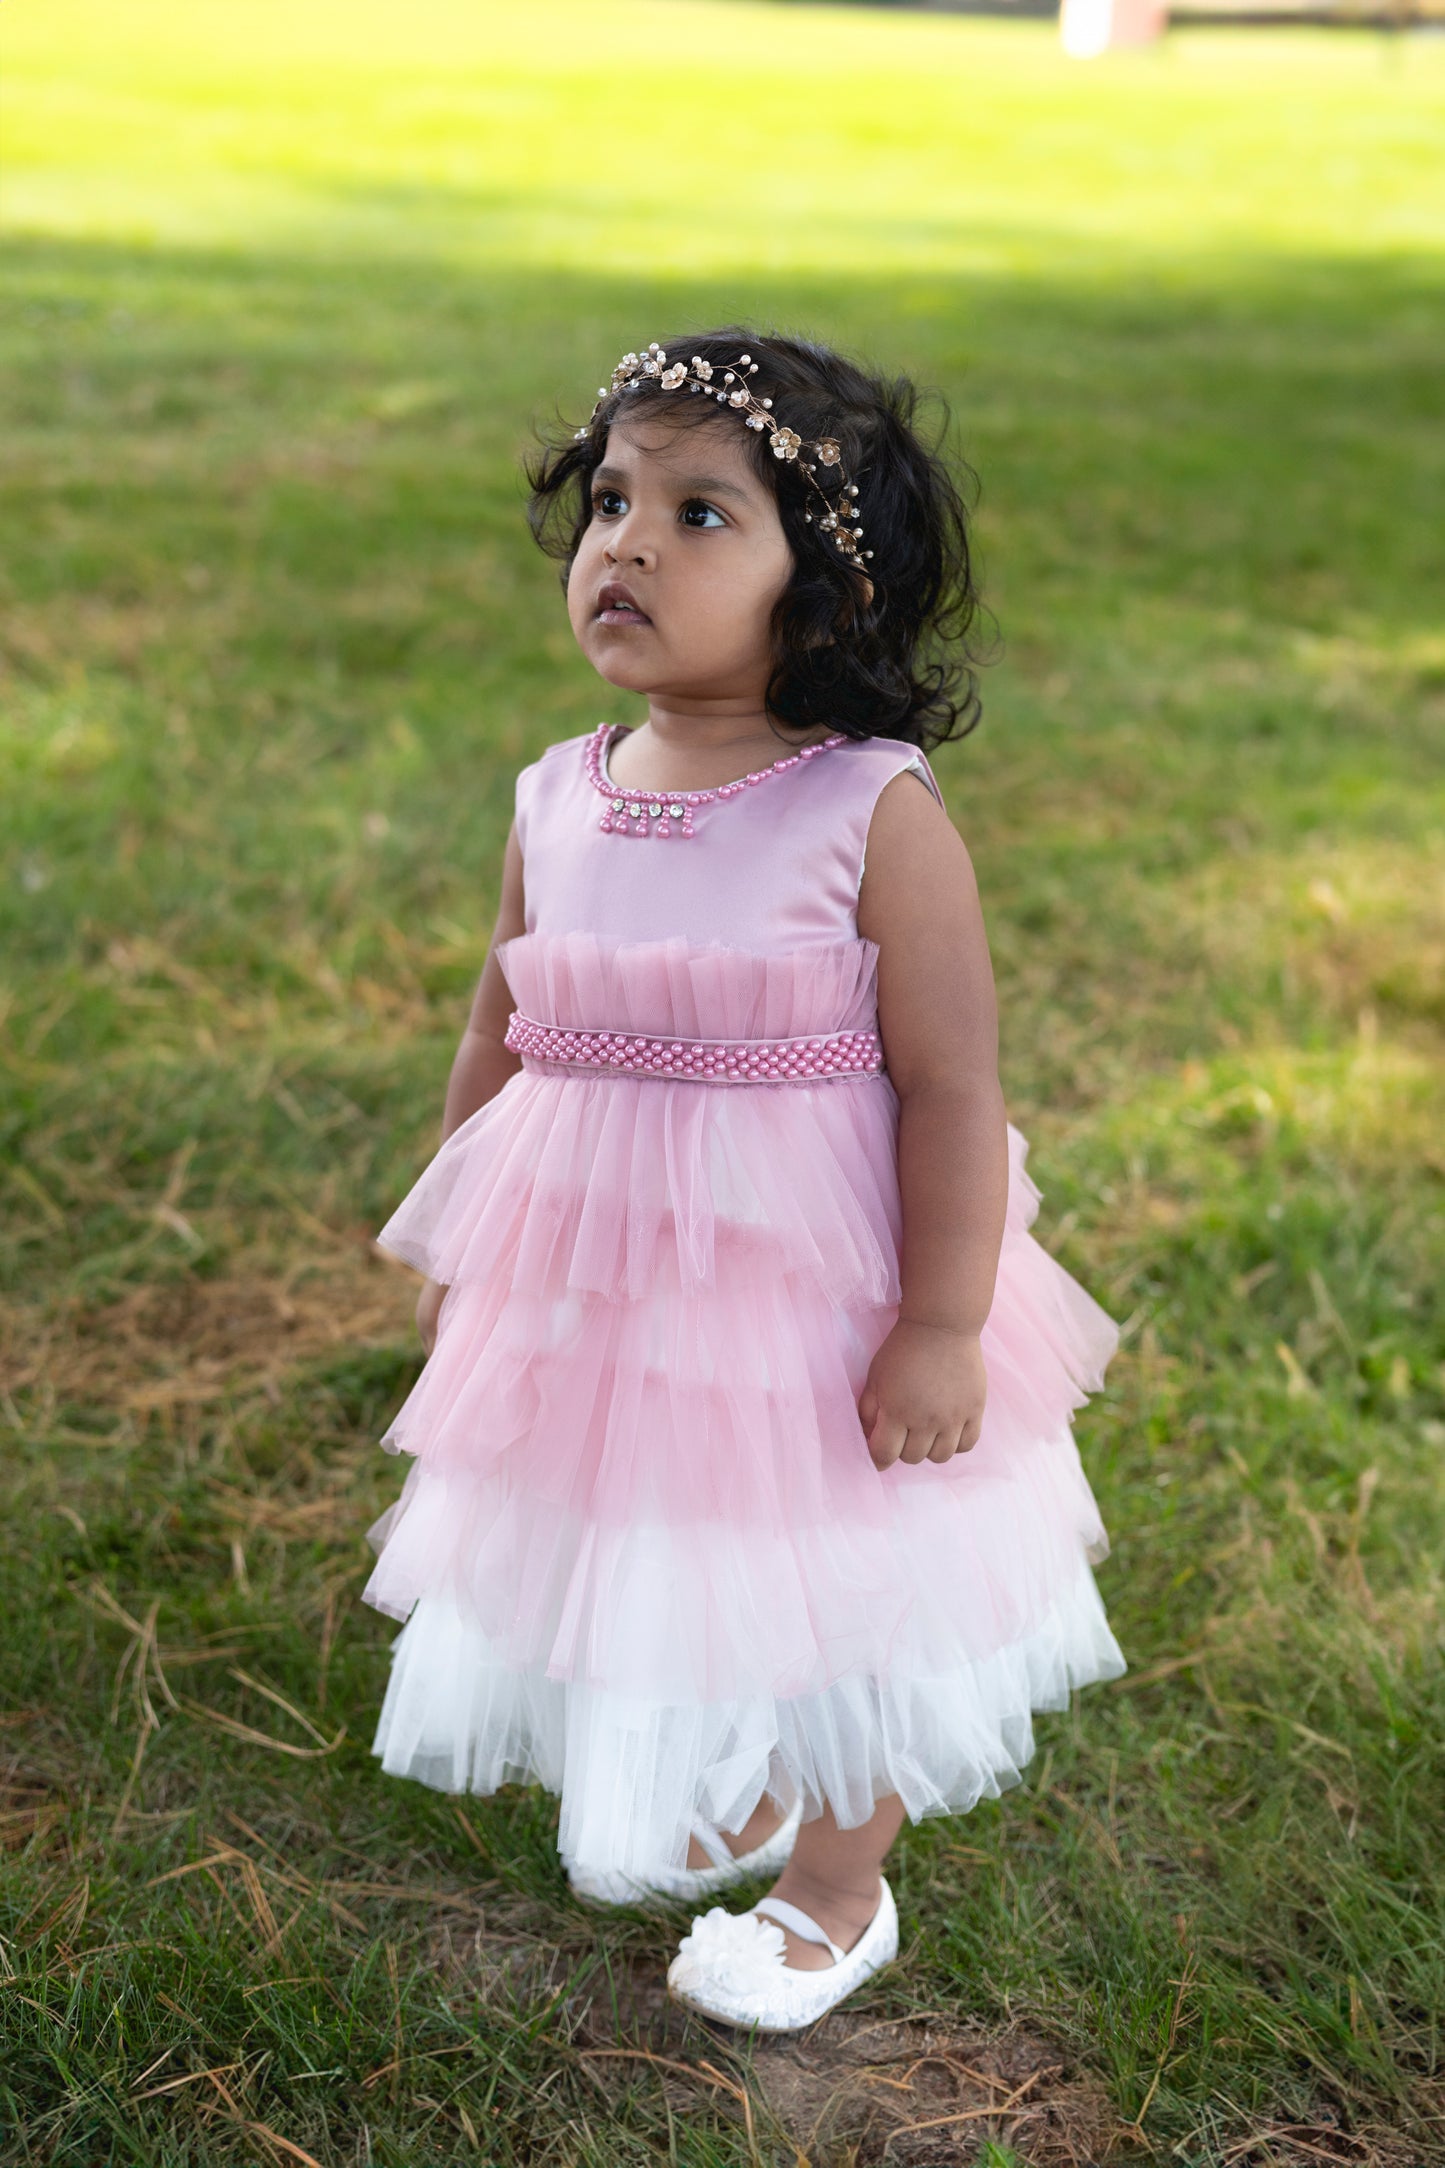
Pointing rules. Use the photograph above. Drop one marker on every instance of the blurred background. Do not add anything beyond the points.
(287, 287)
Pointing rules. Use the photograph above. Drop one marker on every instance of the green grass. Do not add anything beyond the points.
(285, 287)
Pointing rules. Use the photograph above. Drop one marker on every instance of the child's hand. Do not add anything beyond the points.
(428, 1309)
(924, 1396)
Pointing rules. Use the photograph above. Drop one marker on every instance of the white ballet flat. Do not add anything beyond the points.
(732, 1966)
(685, 1885)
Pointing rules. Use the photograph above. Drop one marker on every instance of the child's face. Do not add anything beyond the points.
(686, 529)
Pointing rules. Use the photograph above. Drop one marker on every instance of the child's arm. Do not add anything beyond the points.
(937, 1014)
(482, 1063)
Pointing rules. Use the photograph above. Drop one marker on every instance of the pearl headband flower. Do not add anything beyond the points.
(730, 388)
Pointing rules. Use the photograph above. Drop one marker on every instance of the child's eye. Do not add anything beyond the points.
(698, 513)
(608, 502)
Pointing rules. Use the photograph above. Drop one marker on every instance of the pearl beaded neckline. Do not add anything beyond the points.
(645, 806)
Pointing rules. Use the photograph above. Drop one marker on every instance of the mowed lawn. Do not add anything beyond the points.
(286, 287)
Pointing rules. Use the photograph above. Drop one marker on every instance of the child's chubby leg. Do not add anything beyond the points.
(833, 1876)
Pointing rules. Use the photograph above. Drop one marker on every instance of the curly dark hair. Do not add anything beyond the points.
(897, 665)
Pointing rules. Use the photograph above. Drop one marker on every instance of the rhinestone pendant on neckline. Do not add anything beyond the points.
(642, 807)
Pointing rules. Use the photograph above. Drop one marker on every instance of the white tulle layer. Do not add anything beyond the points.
(941, 1730)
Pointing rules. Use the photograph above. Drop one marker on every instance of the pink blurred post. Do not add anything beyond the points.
(1090, 27)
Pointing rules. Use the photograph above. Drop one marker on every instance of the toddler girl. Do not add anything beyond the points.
(745, 1512)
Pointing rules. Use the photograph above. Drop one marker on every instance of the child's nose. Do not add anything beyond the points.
(630, 540)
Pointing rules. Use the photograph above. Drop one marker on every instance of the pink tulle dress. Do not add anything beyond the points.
(642, 1554)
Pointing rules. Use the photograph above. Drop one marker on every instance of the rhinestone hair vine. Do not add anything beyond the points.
(730, 388)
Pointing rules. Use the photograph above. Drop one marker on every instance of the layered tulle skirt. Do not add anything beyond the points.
(642, 1552)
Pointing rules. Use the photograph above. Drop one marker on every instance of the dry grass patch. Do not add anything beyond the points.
(190, 1341)
(854, 2090)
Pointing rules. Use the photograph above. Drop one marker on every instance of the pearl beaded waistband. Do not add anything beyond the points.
(706, 1061)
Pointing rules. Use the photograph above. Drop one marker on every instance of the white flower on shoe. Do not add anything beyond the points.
(740, 1948)
(734, 1968)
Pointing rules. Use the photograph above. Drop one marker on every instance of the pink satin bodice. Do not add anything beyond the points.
(777, 867)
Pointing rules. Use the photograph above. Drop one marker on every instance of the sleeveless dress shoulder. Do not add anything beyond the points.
(641, 1553)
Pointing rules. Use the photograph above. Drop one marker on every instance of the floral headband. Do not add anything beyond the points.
(730, 388)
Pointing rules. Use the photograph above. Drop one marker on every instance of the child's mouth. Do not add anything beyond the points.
(615, 606)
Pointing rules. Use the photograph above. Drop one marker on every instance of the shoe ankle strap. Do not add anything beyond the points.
(712, 1843)
(778, 1908)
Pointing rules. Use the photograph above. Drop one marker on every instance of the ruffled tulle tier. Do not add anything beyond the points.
(643, 1527)
(941, 1730)
(737, 1398)
(715, 1601)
